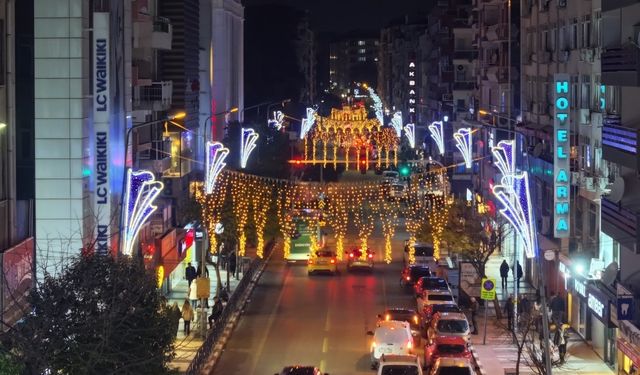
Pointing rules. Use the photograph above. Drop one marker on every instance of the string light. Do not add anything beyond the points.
(141, 190)
(216, 155)
(396, 123)
(247, 145)
(437, 133)
(277, 121)
(463, 138)
(377, 105)
(505, 161)
(410, 132)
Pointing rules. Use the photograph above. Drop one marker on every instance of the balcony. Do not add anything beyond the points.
(619, 221)
(152, 33)
(156, 97)
(619, 143)
(497, 33)
(617, 4)
(621, 66)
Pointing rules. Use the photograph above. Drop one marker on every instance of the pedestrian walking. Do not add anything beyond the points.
(504, 273)
(193, 294)
(206, 271)
(475, 306)
(519, 273)
(508, 310)
(232, 263)
(556, 304)
(560, 340)
(187, 316)
(190, 273)
(175, 316)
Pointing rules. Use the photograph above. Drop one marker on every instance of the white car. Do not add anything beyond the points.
(399, 364)
(390, 176)
(453, 366)
(449, 324)
(391, 337)
(397, 191)
(422, 255)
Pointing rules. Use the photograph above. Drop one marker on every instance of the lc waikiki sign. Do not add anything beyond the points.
(101, 109)
(562, 183)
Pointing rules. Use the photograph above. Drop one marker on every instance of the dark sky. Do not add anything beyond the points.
(346, 15)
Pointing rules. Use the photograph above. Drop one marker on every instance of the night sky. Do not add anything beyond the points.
(346, 15)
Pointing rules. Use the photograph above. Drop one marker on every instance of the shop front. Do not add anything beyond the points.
(578, 314)
(175, 252)
(603, 331)
(628, 344)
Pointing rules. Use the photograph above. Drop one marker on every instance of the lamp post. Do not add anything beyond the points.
(177, 116)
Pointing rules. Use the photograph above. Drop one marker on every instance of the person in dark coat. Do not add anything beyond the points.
(232, 263)
(216, 312)
(475, 306)
(520, 273)
(508, 310)
(557, 309)
(206, 271)
(504, 273)
(190, 273)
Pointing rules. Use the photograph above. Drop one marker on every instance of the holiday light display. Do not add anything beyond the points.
(240, 198)
(396, 123)
(214, 163)
(410, 132)
(437, 133)
(277, 121)
(247, 145)
(141, 190)
(261, 203)
(504, 160)
(463, 138)
(307, 122)
(377, 105)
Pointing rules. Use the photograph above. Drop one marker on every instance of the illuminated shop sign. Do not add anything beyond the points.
(579, 287)
(595, 305)
(561, 125)
(413, 87)
(101, 109)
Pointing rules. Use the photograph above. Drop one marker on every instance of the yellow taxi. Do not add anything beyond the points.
(322, 261)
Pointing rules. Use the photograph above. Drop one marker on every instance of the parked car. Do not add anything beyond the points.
(356, 258)
(445, 346)
(323, 261)
(399, 365)
(453, 366)
(405, 315)
(422, 254)
(428, 283)
(390, 176)
(411, 274)
(449, 324)
(301, 370)
(390, 337)
(397, 191)
(434, 297)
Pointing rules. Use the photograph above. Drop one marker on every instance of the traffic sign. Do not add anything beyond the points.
(488, 289)
(625, 308)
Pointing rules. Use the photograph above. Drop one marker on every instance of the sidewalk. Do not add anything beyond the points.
(187, 347)
(500, 352)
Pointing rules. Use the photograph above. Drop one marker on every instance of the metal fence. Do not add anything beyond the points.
(235, 303)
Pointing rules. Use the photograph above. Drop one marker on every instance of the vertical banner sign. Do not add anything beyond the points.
(101, 110)
(413, 87)
(561, 171)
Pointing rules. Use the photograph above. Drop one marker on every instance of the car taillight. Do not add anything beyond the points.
(409, 344)
(370, 255)
(408, 278)
(351, 255)
(310, 261)
(387, 317)
(415, 319)
(373, 344)
(333, 261)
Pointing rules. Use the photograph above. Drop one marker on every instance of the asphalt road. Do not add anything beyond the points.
(320, 320)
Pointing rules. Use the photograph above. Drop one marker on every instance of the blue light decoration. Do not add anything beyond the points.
(437, 133)
(377, 105)
(504, 160)
(561, 164)
(216, 154)
(603, 102)
(463, 138)
(247, 145)
(396, 122)
(277, 120)
(307, 122)
(141, 190)
(410, 132)
(516, 203)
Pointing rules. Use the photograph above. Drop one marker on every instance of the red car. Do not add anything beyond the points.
(445, 346)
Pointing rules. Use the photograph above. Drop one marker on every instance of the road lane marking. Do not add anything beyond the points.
(327, 321)
(325, 345)
(272, 318)
(323, 365)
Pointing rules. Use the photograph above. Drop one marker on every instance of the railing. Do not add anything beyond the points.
(620, 59)
(235, 303)
(619, 137)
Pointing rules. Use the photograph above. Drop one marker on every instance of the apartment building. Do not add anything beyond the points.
(353, 59)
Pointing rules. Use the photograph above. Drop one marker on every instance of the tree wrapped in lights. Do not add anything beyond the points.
(438, 214)
(260, 201)
(212, 207)
(388, 211)
(285, 220)
(338, 216)
(363, 219)
(240, 202)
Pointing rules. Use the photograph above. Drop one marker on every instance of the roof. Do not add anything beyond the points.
(452, 316)
(401, 309)
(393, 324)
(457, 362)
(451, 340)
(398, 359)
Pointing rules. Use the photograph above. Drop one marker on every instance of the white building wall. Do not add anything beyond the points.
(61, 67)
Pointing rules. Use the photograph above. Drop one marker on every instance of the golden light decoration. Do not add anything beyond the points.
(261, 200)
(211, 205)
(240, 205)
(388, 211)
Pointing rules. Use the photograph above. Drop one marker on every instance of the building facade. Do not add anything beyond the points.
(353, 60)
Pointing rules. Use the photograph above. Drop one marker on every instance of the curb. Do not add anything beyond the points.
(477, 360)
(232, 323)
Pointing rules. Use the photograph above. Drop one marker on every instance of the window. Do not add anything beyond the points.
(546, 42)
(552, 39)
(362, 59)
(586, 32)
(585, 92)
(361, 43)
(574, 34)
(362, 51)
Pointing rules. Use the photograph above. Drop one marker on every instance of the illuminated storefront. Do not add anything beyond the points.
(603, 330)
(628, 345)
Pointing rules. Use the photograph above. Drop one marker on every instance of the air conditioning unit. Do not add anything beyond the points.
(587, 55)
(460, 68)
(562, 3)
(585, 116)
(563, 56)
(575, 178)
(588, 183)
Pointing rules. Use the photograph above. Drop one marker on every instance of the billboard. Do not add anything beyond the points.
(562, 149)
(17, 266)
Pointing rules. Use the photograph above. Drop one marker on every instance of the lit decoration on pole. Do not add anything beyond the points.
(410, 132)
(464, 143)
(377, 105)
(247, 145)
(504, 160)
(396, 123)
(437, 133)
(307, 122)
(141, 190)
(216, 154)
(516, 203)
(240, 205)
(277, 120)
(261, 203)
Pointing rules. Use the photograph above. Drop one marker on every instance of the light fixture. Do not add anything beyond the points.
(3, 125)
(247, 145)
(216, 154)
(437, 133)
(141, 190)
(464, 143)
